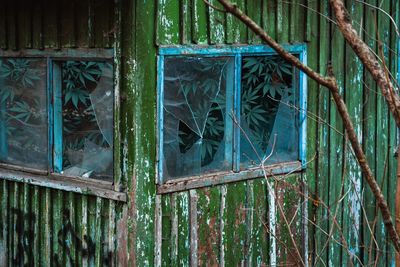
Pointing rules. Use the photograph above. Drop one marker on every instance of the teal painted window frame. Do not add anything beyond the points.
(52, 177)
(237, 52)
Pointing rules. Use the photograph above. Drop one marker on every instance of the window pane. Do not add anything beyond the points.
(87, 109)
(268, 111)
(23, 112)
(196, 116)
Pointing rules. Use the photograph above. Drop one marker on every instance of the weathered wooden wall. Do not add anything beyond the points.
(231, 219)
(224, 224)
(42, 226)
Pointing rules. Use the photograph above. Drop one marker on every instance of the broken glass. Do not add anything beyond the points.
(88, 117)
(23, 112)
(269, 113)
(196, 129)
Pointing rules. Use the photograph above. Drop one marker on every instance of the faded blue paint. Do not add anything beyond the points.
(50, 137)
(229, 107)
(236, 52)
(160, 118)
(238, 97)
(58, 118)
(225, 50)
(303, 110)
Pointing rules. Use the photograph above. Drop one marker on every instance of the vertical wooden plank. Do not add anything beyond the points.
(166, 230)
(67, 22)
(27, 221)
(259, 238)
(309, 21)
(208, 208)
(369, 136)
(111, 233)
(11, 15)
(382, 129)
(182, 201)
(3, 27)
(236, 32)
(72, 233)
(254, 10)
(37, 25)
(4, 218)
(158, 232)
(91, 235)
(323, 178)
(295, 22)
(193, 228)
(301, 26)
(98, 232)
(57, 218)
(10, 221)
(216, 24)
(185, 21)
(168, 22)
(24, 27)
(282, 21)
(336, 147)
(101, 22)
(144, 117)
(174, 231)
(353, 98)
(234, 219)
(15, 222)
(82, 22)
(249, 245)
(84, 231)
(50, 24)
(393, 140)
(269, 17)
(45, 228)
(288, 222)
(312, 126)
(112, 24)
(119, 183)
(199, 22)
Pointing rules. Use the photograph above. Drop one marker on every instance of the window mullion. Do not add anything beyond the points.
(237, 107)
(303, 111)
(50, 114)
(58, 119)
(160, 120)
(3, 131)
(229, 108)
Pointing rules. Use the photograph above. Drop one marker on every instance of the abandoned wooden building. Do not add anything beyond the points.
(105, 104)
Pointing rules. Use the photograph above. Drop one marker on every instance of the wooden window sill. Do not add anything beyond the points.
(219, 178)
(83, 186)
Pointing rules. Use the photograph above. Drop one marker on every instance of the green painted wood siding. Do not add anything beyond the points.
(222, 225)
(42, 226)
(231, 219)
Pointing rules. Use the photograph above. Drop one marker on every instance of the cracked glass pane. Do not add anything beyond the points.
(195, 129)
(88, 97)
(23, 112)
(269, 113)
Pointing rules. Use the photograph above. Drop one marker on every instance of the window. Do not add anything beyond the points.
(223, 110)
(57, 115)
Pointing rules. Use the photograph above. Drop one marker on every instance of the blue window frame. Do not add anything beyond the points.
(223, 110)
(57, 113)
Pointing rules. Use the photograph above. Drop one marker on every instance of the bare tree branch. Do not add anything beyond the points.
(368, 59)
(331, 83)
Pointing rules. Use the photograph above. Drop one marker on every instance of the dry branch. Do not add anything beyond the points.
(331, 83)
(367, 57)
